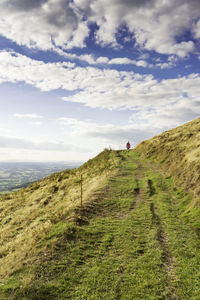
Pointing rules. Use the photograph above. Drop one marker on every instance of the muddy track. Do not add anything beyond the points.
(167, 257)
(137, 190)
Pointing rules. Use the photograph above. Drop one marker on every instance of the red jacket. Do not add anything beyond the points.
(128, 145)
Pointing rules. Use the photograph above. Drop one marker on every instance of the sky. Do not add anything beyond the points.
(78, 76)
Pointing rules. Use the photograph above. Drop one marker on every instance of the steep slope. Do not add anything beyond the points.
(136, 236)
(38, 210)
(178, 151)
(130, 239)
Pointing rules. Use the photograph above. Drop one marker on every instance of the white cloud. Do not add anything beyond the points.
(24, 143)
(50, 24)
(107, 134)
(4, 131)
(99, 88)
(144, 56)
(196, 30)
(36, 123)
(166, 65)
(155, 24)
(45, 76)
(127, 61)
(102, 60)
(91, 60)
(118, 90)
(163, 118)
(157, 103)
(60, 25)
(43, 24)
(29, 116)
(48, 76)
(142, 125)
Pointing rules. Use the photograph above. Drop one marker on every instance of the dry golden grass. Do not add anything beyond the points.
(126, 242)
(178, 150)
(29, 214)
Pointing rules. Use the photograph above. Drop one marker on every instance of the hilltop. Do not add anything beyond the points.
(136, 235)
(178, 150)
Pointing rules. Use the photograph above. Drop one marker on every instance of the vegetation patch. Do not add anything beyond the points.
(136, 235)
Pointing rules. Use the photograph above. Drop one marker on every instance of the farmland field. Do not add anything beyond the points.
(16, 175)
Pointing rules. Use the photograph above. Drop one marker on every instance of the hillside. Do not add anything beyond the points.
(178, 151)
(33, 213)
(136, 236)
(16, 175)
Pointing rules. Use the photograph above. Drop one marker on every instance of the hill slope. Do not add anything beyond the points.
(135, 237)
(31, 213)
(178, 150)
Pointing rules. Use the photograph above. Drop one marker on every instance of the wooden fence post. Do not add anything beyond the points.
(81, 190)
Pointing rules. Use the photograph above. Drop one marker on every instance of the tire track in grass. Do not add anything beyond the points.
(167, 257)
(139, 193)
(113, 253)
(96, 205)
(139, 216)
(168, 261)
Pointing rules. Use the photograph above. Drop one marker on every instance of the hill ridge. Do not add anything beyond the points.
(178, 151)
(135, 237)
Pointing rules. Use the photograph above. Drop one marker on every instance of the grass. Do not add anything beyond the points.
(134, 238)
(115, 256)
(179, 228)
(30, 213)
(178, 151)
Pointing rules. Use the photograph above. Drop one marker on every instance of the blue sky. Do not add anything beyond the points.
(77, 76)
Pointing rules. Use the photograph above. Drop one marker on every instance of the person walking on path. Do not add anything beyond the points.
(128, 145)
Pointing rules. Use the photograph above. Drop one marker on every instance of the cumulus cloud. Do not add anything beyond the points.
(49, 76)
(127, 90)
(91, 60)
(99, 88)
(54, 24)
(127, 61)
(50, 22)
(165, 65)
(196, 30)
(45, 76)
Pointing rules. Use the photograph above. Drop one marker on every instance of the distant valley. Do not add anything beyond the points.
(15, 175)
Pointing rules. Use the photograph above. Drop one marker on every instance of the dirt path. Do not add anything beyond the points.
(139, 193)
(129, 241)
(162, 237)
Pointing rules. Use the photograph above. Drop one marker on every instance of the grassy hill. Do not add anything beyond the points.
(33, 219)
(136, 236)
(178, 151)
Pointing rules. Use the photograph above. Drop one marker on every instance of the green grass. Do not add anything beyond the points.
(178, 152)
(116, 256)
(180, 227)
(134, 238)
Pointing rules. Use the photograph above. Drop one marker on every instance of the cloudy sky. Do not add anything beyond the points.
(77, 76)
